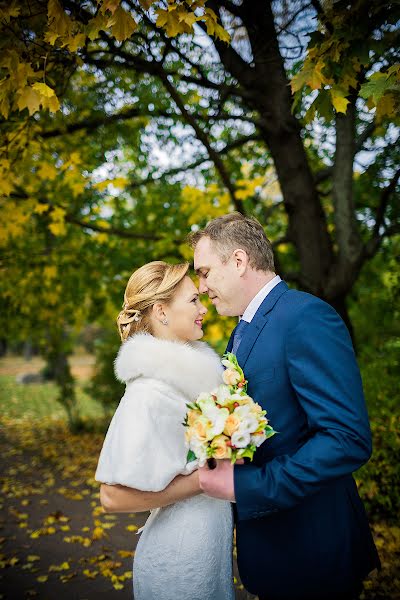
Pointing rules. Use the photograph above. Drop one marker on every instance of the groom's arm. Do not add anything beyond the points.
(121, 499)
(325, 377)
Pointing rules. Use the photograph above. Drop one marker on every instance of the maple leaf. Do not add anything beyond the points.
(386, 107)
(75, 42)
(124, 25)
(28, 98)
(339, 100)
(51, 36)
(110, 5)
(59, 21)
(6, 14)
(98, 23)
(169, 20)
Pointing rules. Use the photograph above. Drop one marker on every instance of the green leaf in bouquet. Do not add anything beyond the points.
(246, 452)
(190, 456)
(192, 406)
(210, 452)
(269, 432)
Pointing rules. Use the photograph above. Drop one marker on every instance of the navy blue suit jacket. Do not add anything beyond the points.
(301, 528)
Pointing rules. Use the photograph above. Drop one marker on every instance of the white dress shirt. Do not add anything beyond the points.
(259, 298)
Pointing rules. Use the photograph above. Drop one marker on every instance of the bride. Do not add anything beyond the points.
(185, 550)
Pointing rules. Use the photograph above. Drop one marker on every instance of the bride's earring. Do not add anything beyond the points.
(164, 322)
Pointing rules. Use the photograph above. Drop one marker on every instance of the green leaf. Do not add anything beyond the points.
(190, 456)
(375, 87)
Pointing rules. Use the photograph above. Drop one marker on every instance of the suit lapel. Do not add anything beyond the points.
(258, 322)
(230, 343)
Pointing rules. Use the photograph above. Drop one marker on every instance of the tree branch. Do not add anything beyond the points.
(327, 172)
(202, 137)
(374, 243)
(176, 170)
(123, 233)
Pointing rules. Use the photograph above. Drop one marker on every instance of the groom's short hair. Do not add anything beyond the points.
(234, 230)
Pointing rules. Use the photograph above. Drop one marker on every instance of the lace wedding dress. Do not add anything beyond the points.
(185, 549)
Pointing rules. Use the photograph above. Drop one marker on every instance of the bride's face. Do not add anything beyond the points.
(185, 313)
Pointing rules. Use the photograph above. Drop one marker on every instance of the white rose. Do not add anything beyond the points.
(242, 411)
(248, 424)
(217, 418)
(223, 394)
(258, 439)
(205, 402)
(227, 363)
(240, 440)
(200, 450)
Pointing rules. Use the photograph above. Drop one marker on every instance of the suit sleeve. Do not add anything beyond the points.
(324, 375)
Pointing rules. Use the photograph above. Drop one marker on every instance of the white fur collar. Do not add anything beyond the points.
(192, 368)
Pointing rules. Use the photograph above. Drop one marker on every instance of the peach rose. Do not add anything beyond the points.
(193, 415)
(231, 377)
(231, 424)
(221, 450)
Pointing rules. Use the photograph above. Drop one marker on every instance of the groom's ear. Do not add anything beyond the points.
(241, 260)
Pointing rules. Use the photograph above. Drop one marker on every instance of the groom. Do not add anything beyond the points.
(301, 528)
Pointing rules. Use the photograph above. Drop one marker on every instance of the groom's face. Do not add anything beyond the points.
(221, 281)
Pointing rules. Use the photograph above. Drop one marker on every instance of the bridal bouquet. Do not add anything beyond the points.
(226, 423)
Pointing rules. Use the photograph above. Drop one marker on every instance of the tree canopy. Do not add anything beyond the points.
(126, 123)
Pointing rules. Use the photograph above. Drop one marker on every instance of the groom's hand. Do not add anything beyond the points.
(218, 482)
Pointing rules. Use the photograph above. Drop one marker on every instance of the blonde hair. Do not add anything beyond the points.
(154, 282)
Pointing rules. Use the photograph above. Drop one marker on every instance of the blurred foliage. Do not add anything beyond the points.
(104, 386)
(375, 311)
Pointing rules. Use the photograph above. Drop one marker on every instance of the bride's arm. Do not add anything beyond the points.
(120, 499)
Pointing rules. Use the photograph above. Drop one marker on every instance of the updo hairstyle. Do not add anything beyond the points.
(154, 282)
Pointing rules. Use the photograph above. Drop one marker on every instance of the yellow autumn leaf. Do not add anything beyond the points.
(59, 21)
(118, 586)
(62, 567)
(110, 5)
(221, 33)
(90, 574)
(98, 533)
(48, 98)
(47, 171)
(33, 557)
(124, 25)
(42, 578)
(386, 106)
(51, 36)
(125, 553)
(98, 23)
(339, 100)
(57, 228)
(50, 272)
(75, 42)
(28, 98)
(131, 528)
(7, 13)
(169, 20)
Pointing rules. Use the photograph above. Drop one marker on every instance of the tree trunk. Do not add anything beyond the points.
(58, 369)
(268, 92)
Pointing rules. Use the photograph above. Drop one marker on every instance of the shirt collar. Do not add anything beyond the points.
(259, 298)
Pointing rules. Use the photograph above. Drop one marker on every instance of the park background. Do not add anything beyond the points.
(124, 125)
